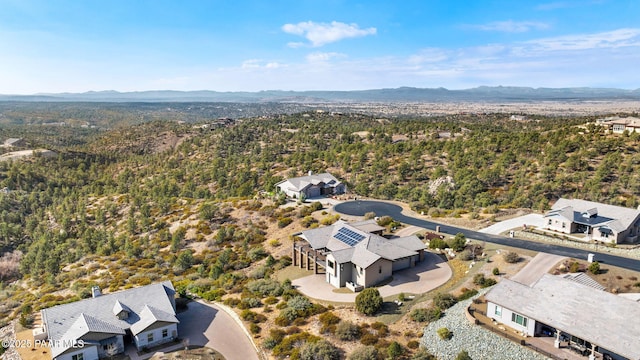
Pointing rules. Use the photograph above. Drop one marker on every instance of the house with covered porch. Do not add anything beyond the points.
(587, 319)
(588, 221)
(355, 255)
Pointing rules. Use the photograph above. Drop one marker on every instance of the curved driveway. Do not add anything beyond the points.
(360, 207)
(208, 325)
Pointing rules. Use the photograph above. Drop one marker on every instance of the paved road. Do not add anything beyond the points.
(207, 325)
(360, 207)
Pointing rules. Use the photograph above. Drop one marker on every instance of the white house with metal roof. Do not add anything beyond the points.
(588, 319)
(101, 326)
(312, 185)
(355, 255)
(594, 221)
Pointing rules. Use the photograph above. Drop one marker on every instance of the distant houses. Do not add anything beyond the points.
(311, 186)
(587, 220)
(103, 325)
(618, 125)
(355, 255)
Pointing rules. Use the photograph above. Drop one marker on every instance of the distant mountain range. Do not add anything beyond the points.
(402, 94)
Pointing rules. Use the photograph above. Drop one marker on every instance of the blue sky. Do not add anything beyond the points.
(252, 45)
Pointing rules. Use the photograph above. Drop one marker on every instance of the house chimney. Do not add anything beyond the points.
(310, 172)
(95, 291)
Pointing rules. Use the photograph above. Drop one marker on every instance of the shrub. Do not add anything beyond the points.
(423, 354)
(319, 350)
(444, 333)
(300, 303)
(574, 267)
(347, 331)
(413, 344)
(265, 287)
(380, 328)
(458, 242)
(369, 215)
(254, 328)
(426, 315)
(401, 297)
(369, 301)
(283, 222)
(308, 221)
(438, 244)
(511, 257)
(467, 294)
(444, 301)
(385, 220)
(368, 339)
(594, 268)
(484, 282)
(328, 319)
(395, 350)
(466, 255)
(364, 353)
(463, 355)
(495, 271)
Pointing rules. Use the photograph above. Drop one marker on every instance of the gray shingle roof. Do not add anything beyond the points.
(82, 326)
(596, 316)
(61, 321)
(367, 251)
(148, 316)
(572, 208)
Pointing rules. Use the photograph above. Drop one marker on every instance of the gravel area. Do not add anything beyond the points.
(478, 342)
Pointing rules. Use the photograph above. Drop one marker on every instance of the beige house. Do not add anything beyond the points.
(618, 125)
(355, 255)
(594, 221)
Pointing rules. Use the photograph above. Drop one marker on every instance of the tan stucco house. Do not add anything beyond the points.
(310, 186)
(355, 255)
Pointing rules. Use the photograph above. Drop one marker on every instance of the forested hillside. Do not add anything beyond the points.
(160, 199)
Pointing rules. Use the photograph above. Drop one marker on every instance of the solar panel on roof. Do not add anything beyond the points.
(348, 236)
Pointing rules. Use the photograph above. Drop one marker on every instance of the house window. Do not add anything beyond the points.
(519, 319)
(330, 264)
(549, 221)
(360, 270)
(379, 269)
(498, 311)
(165, 333)
(150, 337)
(564, 225)
(77, 357)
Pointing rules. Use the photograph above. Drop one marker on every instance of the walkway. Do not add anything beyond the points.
(424, 277)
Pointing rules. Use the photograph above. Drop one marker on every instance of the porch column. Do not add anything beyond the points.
(301, 257)
(592, 356)
(308, 260)
(294, 257)
(556, 343)
(315, 261)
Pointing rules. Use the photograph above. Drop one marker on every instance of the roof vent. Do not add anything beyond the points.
(95, 291)
(310, 172)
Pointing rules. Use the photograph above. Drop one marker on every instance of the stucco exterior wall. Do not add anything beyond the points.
(505, 316)
(89, 352)
(340, 274)
(377, 272)
(142, 341)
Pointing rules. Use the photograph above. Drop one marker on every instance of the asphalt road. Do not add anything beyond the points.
(360, 207)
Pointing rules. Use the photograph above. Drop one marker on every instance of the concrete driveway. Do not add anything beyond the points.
(424, 277)
(535, 220)
(538, 266)
(208, 325)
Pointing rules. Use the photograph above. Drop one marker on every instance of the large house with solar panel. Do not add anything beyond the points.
(355, 255)
(586, 220)
(103, 325)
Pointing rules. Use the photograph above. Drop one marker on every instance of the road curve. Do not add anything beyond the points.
(380, 208)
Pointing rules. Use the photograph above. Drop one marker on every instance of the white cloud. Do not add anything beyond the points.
(611, 39)
(260, 64)
(320, 34)
(317, 57)
(511, 26)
